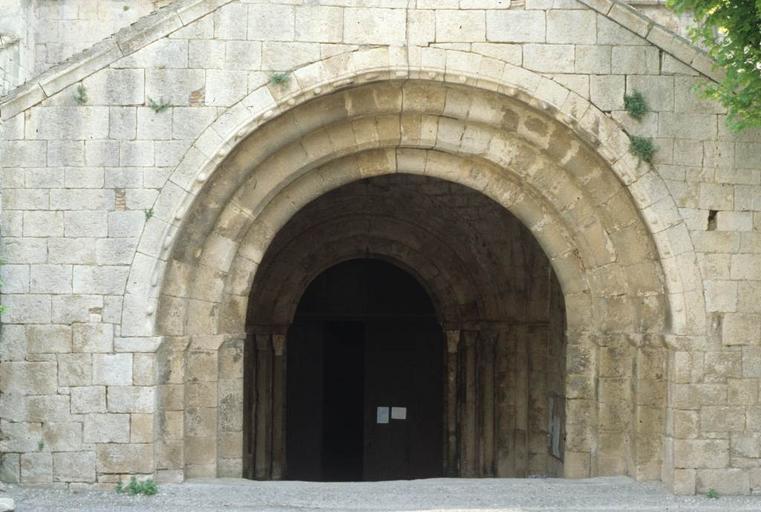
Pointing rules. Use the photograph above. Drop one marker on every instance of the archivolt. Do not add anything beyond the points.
(547, 175)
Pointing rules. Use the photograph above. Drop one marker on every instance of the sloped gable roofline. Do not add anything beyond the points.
(175, 16)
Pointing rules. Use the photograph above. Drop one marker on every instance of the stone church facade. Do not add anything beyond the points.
(170, 194)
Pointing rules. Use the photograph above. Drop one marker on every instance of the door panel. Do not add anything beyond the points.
(403, 369)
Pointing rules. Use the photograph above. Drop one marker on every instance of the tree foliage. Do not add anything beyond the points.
(730, 30)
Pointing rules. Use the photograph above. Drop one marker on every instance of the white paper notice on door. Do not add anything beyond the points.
(381, 415)
(398, 413)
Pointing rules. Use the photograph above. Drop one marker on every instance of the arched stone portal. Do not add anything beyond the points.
(495, 296)
(543, 172)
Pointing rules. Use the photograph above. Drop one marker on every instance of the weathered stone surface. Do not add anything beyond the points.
(106, 349)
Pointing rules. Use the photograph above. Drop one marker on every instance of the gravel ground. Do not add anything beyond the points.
(450, 495)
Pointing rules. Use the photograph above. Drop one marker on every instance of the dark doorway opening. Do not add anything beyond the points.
(364, 385)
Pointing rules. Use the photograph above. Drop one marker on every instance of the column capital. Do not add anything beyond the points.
(453, 340)
(278, 344)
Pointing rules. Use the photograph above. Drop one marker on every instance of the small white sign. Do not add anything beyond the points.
(381, 415)
(398, 413)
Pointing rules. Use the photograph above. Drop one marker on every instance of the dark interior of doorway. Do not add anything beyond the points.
(365, 336)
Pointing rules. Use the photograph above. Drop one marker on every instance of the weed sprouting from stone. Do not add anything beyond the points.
(635, 105)
(81, 95)
(134, 487)
(643, 148)
(158, 106)
(280, 79)
(713, 494)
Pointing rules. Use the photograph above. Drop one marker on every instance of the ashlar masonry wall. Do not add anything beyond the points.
(94, 192)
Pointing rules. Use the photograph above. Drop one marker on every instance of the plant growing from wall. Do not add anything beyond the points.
(147, 487)
(730, 30)
(81, 95)
(148, 213)
(158, 106)
(636, 105)
(280, 79)
(713, 494)
(642, 147)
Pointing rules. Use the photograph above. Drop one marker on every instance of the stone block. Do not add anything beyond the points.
(164, 53)
(701, 453)
(74, 467)
(136, 399)
(687, 126)
(115, 251)
(684, 482)
(29, 377)
(141, 428)
(20, 437)
(19, 199)
(100, 280)
(55, 123)
(593, 59)
(607, 92)
(722, 419)
(611, 32)
(82, 199)
(231, 22)
(174, 86)
(50, 279)
(42, 223)
(102, 152)
(723, 481)
(516, 27)
(107, 428)
(26, 309)
(460, 26)
(125, 223)
(318, 23)
(121, 124)
(283, 56)
(152, 125)
(555, 58)
(720, 366)
(10, 468)
(67, 309)
(144, 369)
(635, 60)
(741, 329)
(13, 342)
(225, 87)
(244, 55)
(28, 153)
(270, 22)
(686, 424)
(120, 87)
(734, 221)
(88, 399)
(63, 153)
(47, 339)
(188, 123)
(136, 153)
(124, 458)
(36, 468)
(63, 436)
(571, 26)
(93, 338)
(374, 26)
(74, 370)
(112, 369)
(208, 54)
(71, 250)
(83, 177)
